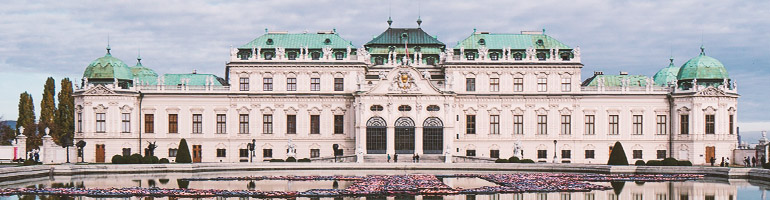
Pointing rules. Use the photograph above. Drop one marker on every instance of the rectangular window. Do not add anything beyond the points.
(637, 154)
(126, 152)
(470, 152)
(291, 84)
(197, 125)
(339, 84)
(566, 154)
(494, 85)
(267, 124)
(470, 124)
(244, 84)
(125, 122)
(518, 124)
(80, 122)
(267, 153)
(661, 154)
(566, 84)
(684, 124)
(542, 154)
(243, 123)
(315, 84)
(542, 84)
(638, 129)
(494, 153)
(291, 124)
(494, 124)
(267, 84)
(243, 153)
(542, 124)
(149, 123)
(101, 122)
(661, 125)
(315, 153)
(172, 152)
(173, 127)
(589, 154)
(566, 124)
(221, 123)
(518, 84)
(339, 124)
(732, 122)
(590, 125)
(470, 84)
(710, 119)
(221, 153)
(614, 125)
(315, 124)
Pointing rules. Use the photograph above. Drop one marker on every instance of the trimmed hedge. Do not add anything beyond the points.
(618, 155)
(669, 162)
(183, 152)
(639, 163)
(135, 159)
(291, 159)
(276, 160)
(163, 161)
(304, 160)
(501, 160)
(118, 159)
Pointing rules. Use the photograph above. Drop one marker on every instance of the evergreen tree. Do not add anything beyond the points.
(7, 134)
(183, 152)
(47, 109)
(27, 120)
(618, 155)
(64, 116)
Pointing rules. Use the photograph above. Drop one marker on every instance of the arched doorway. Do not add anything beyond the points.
(376, 136)
(432, 136)
(404, 135)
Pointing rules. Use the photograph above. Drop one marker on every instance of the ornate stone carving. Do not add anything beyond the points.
(99, 90)
(711, 91)
(100, 108)
(403, 82)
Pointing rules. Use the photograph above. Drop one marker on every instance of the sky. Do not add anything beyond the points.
(40, 39)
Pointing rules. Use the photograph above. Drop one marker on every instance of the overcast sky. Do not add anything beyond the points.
(60, 38)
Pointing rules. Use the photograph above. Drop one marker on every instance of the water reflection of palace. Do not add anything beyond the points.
(405, 92)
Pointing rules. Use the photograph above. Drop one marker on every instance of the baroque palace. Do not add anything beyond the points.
(405, 92)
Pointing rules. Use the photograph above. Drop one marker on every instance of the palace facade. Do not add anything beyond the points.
(405, 92)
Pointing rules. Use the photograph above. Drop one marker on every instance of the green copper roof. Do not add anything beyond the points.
(616, 80)
(298, 40)
(423, 50)
(667, 74)
(702, 67)
(143, 74)
(514, 41)
(108, 67)
(195, 79)
(400, 35)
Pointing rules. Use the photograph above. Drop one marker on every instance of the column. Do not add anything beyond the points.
(391, 140)
(418, 141)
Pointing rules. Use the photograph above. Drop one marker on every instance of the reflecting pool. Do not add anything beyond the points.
(707, 188)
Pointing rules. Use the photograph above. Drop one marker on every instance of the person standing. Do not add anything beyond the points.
(712, 161)
(388, 157)
(395, 158)
(418, 158)
(753, 161)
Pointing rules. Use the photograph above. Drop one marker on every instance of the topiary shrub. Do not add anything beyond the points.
(183, 152)
(618, 155)
(654, 163)
(291, 159)
(147, 160)
(304, 160)
(670, 162)
(501, 160)
(514, 159)
(684, 163)
(527, 161)
(29, 162)
(163, 161)
(639, 163)
(118, 159)
(276, 160)
(134, 159)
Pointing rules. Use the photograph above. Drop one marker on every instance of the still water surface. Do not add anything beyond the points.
(707, 189)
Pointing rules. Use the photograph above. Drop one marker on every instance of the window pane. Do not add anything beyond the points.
(267, 84)
(244, 84)
(470, 124)
(470, 84)
(291, 124)
(267, 124)
(149, 123)
(291, 84)
(494, 124)
(315, 124)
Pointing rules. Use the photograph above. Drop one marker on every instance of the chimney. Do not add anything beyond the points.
(598, 73)
(623, 73)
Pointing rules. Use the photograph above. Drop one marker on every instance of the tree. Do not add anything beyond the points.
(64, 117)
(27, 120)
(48, 108)
(618, 155)
(7, 134)
(183, 152)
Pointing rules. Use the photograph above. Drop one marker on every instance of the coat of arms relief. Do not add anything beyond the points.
(403, 82)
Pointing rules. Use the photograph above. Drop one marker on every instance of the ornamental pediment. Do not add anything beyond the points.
(405, 80)
(711, 91)
(99, 90)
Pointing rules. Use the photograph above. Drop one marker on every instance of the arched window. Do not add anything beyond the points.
(404, 108)
(376, 108)
(470, 56)
(269, 41)
(565, 56)
(339, 56)
(404, 135)
(493, 56)
(268, 55)
(432, 136)
(315, 55)
(433, 108)
(376, 122)
(539, 42)
(517, 56)
(540, 56)
(327, 41)
(482, 42)
(404, 122)
(292, 55)
(376, 136)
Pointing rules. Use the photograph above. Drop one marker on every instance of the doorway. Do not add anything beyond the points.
(100, 153)
(710, 153)
(197, 153)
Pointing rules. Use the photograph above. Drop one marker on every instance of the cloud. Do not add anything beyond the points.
(60, 38)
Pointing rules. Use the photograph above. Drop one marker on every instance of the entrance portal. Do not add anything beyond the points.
(404, 135)
(376, 136)
(432, 136)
